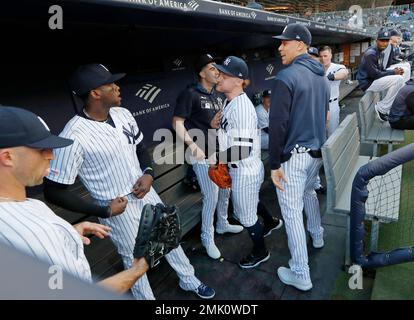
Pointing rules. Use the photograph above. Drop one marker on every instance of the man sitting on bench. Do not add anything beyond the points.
(373, 76)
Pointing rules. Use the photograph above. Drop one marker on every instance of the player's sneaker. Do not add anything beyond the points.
(318, 243)
(212, 251)
(230, 228)
(203, 291)
(288, 277)
(253, 260)
(276, 224)
(381, 116)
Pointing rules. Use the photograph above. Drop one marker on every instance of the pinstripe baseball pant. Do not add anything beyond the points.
(123, 234)
(300, 171)
(213, 197)
(245, 188)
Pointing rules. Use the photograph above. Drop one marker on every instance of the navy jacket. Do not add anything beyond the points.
(300, 102)
(370, 69)
(403, 103)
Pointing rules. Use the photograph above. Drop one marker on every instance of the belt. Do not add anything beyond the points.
(332, 100)
(312, 153)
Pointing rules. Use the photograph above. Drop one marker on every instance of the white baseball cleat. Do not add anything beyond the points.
(288, 277)
(212, 251)
(318, 243)
(230, 228)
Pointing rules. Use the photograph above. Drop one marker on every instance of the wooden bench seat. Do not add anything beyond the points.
(372, 130)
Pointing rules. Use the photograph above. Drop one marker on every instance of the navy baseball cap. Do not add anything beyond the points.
(202, 61)
(91, 76)
(234, 66)
(383, 35)
(313, 51)
(22, 128)
(395, 32)
(296, 31)
(266, 93)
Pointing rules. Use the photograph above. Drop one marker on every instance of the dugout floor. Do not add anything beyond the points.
(261, 283)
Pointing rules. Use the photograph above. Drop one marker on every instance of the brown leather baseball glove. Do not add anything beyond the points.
(220, 175)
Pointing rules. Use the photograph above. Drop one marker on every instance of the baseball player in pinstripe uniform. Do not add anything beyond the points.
(297, 130)
(109, 157)
(239, 145)
(262, 111)
(199, 107)
(335, 73)
(29, 225)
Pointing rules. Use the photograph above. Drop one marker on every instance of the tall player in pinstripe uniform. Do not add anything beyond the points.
(28, 225)
(297, 130)
(109, 157)
(199, 107)
(239, 144)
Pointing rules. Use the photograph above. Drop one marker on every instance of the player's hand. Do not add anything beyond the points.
(196, 152)
(118, 205)
(399, 71)
(142, 186)
(85, 228)
(215, 122)
(277, 177)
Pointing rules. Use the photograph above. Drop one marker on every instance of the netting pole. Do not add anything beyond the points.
(348, 242)
(389, 147)
(374, 234)
(375, 150)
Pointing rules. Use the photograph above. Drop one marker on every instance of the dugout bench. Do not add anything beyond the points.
(341, 161)
(372, 130)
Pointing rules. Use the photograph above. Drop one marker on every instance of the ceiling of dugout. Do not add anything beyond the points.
(145, 28)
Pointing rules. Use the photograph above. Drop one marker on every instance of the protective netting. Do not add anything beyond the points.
(383, 193)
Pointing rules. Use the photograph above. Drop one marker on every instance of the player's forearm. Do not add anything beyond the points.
(278, 123)
(123, 281)
(143, 157)
(181, 131)
(61, 196)
(341, 74)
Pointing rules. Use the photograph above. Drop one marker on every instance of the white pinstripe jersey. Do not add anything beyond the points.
(104, 157)
(30, 226)
(238, 127)
(334, 85)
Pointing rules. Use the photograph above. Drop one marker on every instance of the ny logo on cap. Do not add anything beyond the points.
(227, 61)
(297, 37)
(386, 34)
(209, 55)
(284, 29)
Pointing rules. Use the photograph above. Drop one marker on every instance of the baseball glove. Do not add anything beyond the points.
(220, 175)
(159, 232)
